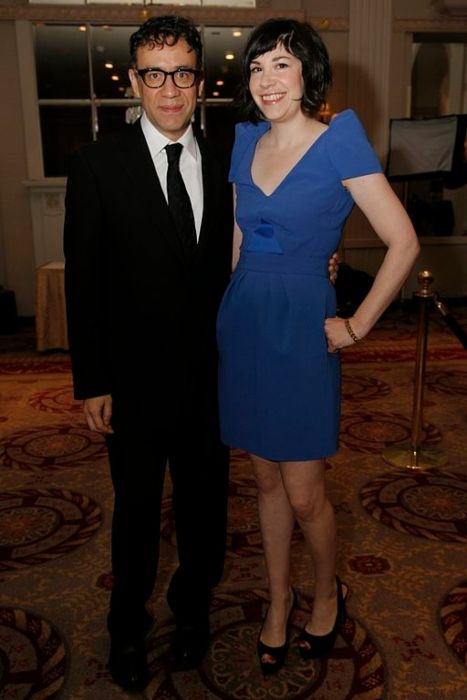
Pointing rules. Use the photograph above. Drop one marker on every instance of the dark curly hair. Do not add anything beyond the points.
(167, 31)
(302, 41)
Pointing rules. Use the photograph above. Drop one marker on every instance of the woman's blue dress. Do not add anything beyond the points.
(279, 386)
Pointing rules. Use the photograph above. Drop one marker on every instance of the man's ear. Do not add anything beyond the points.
(200, 87)
(134, 82)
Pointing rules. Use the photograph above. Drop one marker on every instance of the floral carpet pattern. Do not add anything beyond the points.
(33, 656)
(402, 543)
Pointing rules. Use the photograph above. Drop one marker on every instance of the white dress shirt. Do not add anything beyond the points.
(190, 164)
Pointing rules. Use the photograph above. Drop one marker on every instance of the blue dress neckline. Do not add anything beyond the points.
(299, 161)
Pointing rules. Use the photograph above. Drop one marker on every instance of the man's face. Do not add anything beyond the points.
(168, 108)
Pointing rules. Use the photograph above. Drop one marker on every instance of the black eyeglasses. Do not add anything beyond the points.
(156, 77)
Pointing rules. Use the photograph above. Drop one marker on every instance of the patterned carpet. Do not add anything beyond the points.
(402, 549)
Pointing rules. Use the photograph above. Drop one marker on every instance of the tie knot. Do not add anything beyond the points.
(173, 151)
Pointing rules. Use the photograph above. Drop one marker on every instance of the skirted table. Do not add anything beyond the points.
(51, 328)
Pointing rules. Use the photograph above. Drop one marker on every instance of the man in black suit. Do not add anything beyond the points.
(142, 292)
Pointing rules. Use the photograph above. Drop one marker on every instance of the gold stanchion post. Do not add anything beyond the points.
(413, 456)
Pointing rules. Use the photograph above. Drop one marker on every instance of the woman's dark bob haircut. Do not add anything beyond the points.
(303, 42)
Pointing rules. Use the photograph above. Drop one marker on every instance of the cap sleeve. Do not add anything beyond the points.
(348, 147)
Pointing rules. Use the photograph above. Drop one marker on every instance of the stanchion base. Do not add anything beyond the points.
(406, 456)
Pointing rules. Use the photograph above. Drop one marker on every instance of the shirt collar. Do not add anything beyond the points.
(157, 141)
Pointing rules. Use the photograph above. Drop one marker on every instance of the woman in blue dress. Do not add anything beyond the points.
(296, 181)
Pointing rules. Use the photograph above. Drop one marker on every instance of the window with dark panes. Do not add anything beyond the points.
(84, 91)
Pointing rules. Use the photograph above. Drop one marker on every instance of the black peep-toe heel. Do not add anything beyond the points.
(279, 654)
(322, 644)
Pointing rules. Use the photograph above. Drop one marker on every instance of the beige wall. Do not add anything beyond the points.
(2, 251)
(421, 9)
(337, 44)
(16, 239)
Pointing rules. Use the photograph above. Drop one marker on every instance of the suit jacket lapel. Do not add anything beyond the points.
(137, 161)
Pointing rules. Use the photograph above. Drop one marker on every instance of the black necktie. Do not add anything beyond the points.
(179, 201)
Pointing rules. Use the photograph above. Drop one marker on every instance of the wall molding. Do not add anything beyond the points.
(453, 8)
(442, 24)
(136, 14)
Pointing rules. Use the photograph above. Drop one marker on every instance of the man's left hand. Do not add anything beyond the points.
(333, 267)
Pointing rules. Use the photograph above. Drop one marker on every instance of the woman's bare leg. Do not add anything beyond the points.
(305, 488)
(277, 521)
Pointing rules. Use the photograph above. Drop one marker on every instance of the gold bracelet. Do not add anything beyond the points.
(354, 337)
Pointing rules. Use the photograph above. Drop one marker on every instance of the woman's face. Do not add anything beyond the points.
(276, 84)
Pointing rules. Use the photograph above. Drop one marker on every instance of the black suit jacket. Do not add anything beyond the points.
(141, 317)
